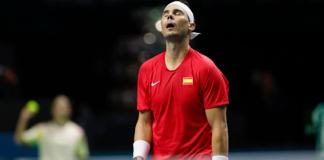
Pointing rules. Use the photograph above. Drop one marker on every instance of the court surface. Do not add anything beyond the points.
(265, 155)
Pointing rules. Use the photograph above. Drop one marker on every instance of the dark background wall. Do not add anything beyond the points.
(91, 49)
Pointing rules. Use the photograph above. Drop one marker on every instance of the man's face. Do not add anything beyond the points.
(175, 22)
(61, 108)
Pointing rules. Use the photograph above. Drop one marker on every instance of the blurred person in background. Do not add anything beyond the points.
(317, 127)
(58, 139)
(181, 97)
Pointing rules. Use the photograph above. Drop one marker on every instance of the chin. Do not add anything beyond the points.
(171, 35)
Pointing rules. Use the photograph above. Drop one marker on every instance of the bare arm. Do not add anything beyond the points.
(143, 129)
(143, 135)
(22, 123)
(217, 120)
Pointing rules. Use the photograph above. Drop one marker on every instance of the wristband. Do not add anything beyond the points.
(219, 157)
(141, 148)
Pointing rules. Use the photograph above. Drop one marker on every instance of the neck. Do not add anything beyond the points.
(176, 52)
(60, 121)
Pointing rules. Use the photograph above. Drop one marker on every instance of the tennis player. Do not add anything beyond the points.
(181, 97)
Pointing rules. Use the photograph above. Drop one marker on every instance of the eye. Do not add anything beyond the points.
(165, 14)
(178, 12)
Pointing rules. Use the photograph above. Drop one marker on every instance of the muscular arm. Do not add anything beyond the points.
(217, 120)
(143, 129)
(143, 135)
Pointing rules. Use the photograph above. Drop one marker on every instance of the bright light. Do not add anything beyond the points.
(149, 38)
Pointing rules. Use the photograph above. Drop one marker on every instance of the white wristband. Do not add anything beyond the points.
(219, 157)
(141, 148)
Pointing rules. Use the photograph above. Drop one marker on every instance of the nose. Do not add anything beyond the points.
(170, 17)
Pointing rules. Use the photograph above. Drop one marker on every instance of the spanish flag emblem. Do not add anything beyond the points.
(187, 81)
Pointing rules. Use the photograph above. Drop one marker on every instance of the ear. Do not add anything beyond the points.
(158, 26)
(192, 26)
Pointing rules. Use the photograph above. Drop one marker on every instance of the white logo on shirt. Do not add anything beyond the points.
(155, 83)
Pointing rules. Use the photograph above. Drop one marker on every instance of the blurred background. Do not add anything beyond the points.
(91, 50)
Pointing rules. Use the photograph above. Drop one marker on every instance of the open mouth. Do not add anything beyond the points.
(170, 25)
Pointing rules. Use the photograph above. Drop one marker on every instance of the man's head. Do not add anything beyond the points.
(177, 21)
(61, 108)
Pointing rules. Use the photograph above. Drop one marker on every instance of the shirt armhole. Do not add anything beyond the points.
(217, 105)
